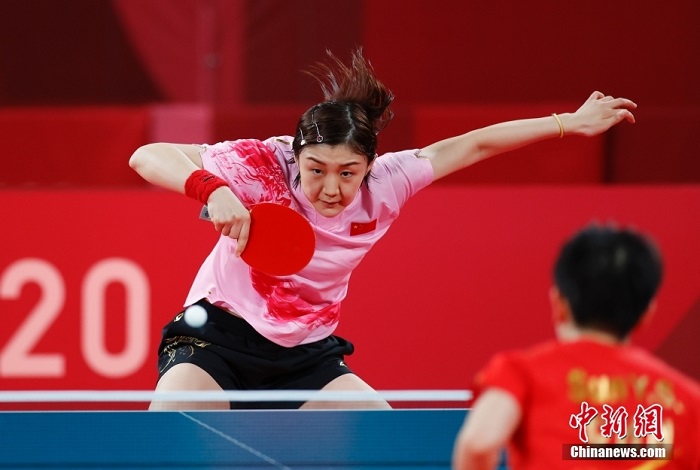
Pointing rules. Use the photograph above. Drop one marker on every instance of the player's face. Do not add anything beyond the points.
(331, 176)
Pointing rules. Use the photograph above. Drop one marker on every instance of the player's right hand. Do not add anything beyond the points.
(229, 216)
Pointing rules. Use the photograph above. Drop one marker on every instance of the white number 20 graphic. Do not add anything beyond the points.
(18, 358)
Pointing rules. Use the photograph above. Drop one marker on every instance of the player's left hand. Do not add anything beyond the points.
(598, 114)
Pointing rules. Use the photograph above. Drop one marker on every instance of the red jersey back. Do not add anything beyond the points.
(584, 393)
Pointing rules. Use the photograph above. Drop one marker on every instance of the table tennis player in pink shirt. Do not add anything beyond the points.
(268, 332)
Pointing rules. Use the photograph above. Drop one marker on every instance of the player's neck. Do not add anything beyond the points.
(571, 333)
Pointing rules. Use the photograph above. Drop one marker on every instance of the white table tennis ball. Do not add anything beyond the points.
(195, 316)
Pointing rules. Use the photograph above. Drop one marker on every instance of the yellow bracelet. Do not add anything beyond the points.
(561, 126)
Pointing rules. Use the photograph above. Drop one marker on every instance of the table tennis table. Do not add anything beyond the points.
(251, 439)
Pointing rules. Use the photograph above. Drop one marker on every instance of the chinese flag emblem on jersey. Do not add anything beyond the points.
(359, 228)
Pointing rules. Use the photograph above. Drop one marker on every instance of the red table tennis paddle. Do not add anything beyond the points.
(281, 241)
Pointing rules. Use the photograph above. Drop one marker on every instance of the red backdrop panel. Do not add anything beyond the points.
(81, 146)
(452, 51)
(88, 278)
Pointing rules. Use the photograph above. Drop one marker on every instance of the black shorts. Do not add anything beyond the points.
(239, 358)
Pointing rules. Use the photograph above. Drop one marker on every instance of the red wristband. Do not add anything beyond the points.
(201, 183)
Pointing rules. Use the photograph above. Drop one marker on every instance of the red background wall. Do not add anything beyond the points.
(464, 61)
(430, 304)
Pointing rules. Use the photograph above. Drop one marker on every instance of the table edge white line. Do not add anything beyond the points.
(54, 396)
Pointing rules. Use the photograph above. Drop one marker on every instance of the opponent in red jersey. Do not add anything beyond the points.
(551, 405)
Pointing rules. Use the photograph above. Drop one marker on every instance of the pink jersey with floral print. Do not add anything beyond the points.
(304, 307)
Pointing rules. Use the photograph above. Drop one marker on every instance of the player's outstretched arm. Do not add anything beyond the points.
(166, 165)
(486, 431)
(596, 115)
